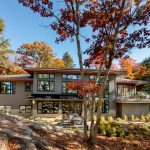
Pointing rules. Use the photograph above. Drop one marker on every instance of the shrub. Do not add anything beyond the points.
(119, 119)
(102, 120)
(146, 132)
(125, 141)
(137, 119)
(121, 133)
(130, 135)
(136, 143)
(125, 117)
(143, 118)
(132, 118)
(102, 129)
(113, 139)
(111, 132)
(110, 119)
(148, 117)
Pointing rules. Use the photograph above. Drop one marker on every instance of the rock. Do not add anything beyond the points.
(16, 130)
(3, 142)
(58, 128)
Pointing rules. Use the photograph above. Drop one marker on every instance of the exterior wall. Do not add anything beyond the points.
(112, 96)
(135, 109)
(58, 84)
(16, 99)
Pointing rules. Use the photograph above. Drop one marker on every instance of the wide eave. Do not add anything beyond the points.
(122, 81)
(71, 71)
(16, 78)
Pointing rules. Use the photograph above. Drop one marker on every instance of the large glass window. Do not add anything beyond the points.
(7, 87)
(126, 91)
(45, 76)
(71, 107)
(27, 86)
(93, 77)
(45, 85)
(25, 109)
(67, 78)
(66, 90)
(48, 107)
(105, 106)
(5, 109)
(106, 91)
(46, 82)
(70, 77)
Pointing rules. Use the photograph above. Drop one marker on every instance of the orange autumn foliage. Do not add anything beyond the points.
(134, 69)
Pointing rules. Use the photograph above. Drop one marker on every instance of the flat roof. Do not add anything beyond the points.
(133, 101)
(20, 77)
(122, 81)
(71, 71)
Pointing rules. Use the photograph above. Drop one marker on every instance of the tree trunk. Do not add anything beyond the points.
(77, 35)
(92, 116)
(93, 136)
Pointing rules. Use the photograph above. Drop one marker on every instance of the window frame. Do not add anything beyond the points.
(68, 79)
(49, 76)
(100, 81)
(26, 88)
(53, 110)
(25, 109)
(67, 89)
(5, 108)
(49, 81)
(12, 84)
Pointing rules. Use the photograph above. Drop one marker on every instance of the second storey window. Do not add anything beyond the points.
(45, 85)
(46, 82)
(70, 77)
(106, 91)
(27, 86)
(7, 88)
(65, 90)
(45, 76)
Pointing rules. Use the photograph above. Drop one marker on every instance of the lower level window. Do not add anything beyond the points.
(25, 109)
(5, 109)
(48, 107)
(72, 107)
(105, 106)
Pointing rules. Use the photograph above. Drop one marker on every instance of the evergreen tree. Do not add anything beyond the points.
(4, 47)
(146, 63)
(68, 60)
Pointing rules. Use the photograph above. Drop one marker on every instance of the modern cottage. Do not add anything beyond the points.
(43, 93)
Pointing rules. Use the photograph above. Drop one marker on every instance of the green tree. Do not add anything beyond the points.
(68, 60)
(4, 47)
(6, 67)
(146, 63)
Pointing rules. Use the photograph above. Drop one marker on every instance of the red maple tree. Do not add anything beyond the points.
(111, 35)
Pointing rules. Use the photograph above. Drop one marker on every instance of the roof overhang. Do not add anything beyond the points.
(133, 101)
(71, 71)
(122, 81)
(16, 78)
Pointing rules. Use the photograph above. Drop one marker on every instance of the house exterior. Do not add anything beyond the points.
(43, 93)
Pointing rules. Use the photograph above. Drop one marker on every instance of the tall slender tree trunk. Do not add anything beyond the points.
(92, 116)
(93, 136)
(81, 66)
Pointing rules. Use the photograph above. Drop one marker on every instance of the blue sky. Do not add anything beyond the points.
(24, 26)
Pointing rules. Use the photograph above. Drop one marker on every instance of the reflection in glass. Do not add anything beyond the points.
(7, 88)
